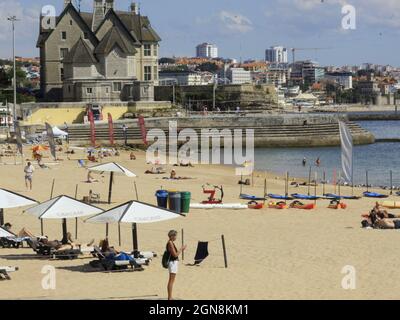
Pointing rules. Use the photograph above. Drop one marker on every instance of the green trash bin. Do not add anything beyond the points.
(185, 198)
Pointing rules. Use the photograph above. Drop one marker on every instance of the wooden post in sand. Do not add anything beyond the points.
(224, 251)
(76, 219)
(309, 181)
(391, 182)
(323, 184)
(183, 244)
(265, 189)
(366, 180)
(51, 197)
(315, 187)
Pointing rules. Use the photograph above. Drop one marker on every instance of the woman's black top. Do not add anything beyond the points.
(172, 257)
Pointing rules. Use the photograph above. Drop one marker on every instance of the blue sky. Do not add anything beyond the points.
(245, 28)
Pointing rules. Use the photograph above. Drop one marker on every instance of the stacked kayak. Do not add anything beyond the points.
(279, 197)
(251, 198)
(277, 205)
(390, 204)
(255, 205)
(337, 197)
(374, 195)
(299, 205)
(235, 206)
(304, 197)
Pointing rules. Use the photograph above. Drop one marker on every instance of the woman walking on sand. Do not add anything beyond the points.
(172, 254)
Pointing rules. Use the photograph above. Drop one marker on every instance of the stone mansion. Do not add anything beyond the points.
(106, 55)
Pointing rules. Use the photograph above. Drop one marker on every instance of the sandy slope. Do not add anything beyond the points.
(285, 254)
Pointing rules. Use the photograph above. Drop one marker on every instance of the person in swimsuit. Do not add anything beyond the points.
(173, 261)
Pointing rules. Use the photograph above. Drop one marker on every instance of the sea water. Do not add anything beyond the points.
(378, 158)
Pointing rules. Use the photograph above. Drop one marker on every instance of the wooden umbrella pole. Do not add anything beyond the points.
(309, 182)
(76, 219)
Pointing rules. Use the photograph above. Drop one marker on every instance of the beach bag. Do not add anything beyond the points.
(166, 259)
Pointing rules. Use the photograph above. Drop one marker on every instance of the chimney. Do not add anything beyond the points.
(134, 8)
(98, 14)
(67, 2)
(109, 5)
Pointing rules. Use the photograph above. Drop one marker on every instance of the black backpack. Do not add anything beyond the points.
(166, 259)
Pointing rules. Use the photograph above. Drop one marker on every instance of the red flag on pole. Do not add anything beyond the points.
(111, 129)
(92, 129)
(143, 129)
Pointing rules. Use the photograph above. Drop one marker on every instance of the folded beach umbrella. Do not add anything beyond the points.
(134, 212)
(9, 199)
(63, 207)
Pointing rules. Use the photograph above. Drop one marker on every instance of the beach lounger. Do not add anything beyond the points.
(4, 272)
(48, 251)
(115, 265)
(12, 242)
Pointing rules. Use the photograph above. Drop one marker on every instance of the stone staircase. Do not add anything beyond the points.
(312, 135)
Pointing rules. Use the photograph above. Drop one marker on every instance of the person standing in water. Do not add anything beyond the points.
(174, 254)
(304, 162)
(318, 162)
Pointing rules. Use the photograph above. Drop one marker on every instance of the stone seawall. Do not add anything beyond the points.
(269, 130)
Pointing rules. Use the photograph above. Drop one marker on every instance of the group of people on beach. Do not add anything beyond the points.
(380, 218)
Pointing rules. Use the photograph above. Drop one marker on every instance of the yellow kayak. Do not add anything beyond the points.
(390, 204)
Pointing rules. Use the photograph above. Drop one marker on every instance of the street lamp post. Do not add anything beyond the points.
(13, 19)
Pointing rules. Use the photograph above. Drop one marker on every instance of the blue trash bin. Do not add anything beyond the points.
(162, 198)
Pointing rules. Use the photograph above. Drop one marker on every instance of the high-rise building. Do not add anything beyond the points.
(276, 55)
(207, 50)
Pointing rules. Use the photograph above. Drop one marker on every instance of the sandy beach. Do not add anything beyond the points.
(272, 254)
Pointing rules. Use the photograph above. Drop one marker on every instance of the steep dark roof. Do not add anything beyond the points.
(138, 26)
(45, 33)
(114, 37)
(80, 53)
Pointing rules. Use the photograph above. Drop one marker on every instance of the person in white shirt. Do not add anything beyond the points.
(29, 169)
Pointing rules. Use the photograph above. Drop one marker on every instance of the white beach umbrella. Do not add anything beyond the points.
(63, 207)
(5, 233)
(9, 199)
(134, 212)
(113, 168)
(57, 132)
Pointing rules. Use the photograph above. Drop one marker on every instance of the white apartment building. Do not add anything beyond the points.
(207, 50)
(276, 55)
(183, 79)
(345, 79)
(238, 76)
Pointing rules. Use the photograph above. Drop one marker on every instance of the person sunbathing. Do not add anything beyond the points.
(90, 178)
(173, 176)
(68, 244)
(132, 156)
(155, 170)
(112, 254)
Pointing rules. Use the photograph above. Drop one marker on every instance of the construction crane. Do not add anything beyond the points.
(305, 49)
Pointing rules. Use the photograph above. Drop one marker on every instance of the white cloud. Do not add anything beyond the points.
(235, 22)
